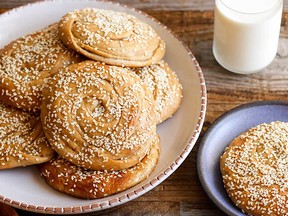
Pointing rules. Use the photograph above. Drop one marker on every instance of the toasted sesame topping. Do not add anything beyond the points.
(21, 139)
(27, 64)
(97, 115)
(164, 83)
(106, 36)
(255, 169)
(80, 182)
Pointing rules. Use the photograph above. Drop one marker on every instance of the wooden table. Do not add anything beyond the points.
(192, 21)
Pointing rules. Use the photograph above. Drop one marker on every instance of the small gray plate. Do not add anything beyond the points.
(218, 137)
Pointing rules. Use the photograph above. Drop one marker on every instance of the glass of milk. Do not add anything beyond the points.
(246, 33)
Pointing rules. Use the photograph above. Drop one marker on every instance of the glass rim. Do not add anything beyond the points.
(251, 13)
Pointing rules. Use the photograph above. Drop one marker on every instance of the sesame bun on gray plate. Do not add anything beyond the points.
(254, 169)
(251, 139)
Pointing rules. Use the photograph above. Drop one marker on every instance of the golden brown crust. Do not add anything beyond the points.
(27, 64)
(254, 169)
(99, 117)
(166, 88)
(111, 37)
(76, 181)
(22, 140)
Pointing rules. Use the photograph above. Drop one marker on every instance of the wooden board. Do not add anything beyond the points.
(156, 5)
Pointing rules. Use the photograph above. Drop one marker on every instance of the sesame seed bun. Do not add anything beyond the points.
(28, 63)
(112, 37)
(166, 88)
(76, 181)
(254, 169)
(22, 140)
(99, 117)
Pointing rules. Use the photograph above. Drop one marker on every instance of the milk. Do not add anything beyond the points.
(246, 33)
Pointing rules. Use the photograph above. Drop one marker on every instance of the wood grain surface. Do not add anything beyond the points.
(151, 5)
(192, 21)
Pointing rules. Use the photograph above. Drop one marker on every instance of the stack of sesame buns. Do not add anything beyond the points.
(254, 169)
(90, 184)
(82, 98)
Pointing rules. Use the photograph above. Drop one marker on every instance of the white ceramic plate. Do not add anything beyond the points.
(24, 188)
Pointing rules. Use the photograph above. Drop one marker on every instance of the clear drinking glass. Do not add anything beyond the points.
(246, 33)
